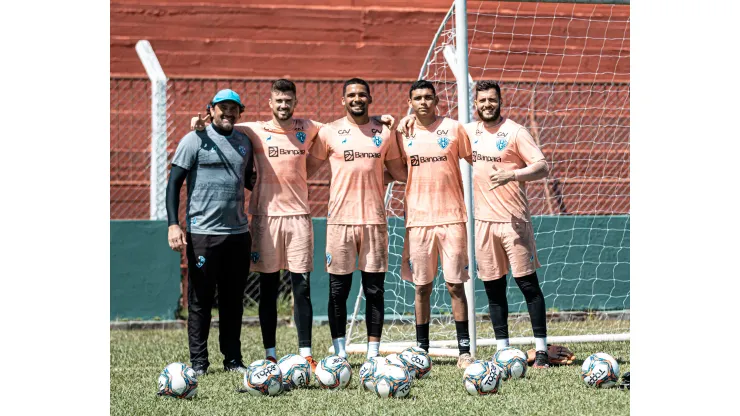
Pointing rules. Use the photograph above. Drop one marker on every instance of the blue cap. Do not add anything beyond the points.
(226, 95)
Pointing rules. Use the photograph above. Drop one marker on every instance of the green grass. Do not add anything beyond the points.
(137, 357)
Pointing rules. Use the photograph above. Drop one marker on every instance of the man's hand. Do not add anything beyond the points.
(558, 355)
(500, 177)
(406, 125)
(176, 238)
(199, 123)
(386, 119)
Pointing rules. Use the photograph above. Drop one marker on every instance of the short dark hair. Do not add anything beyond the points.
(486, 85)
(421, 85)
(354, 81)
(283, 85)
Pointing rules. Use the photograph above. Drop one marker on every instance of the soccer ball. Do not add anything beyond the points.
(419, 359)
(178, 380)
(513, 362)
(482, 377)
(600, 370)
(296, 371)
(333, 373)
(392, 381)
(367, 375)
(396, 359)
(263, 378)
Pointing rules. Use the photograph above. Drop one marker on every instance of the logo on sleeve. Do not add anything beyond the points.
(255, 256)
(242, 150)
(301, 136)
(443, 142)
(272, 151)
(201, 262)
(377, 140)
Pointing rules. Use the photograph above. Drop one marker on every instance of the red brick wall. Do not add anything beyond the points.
(373, 39)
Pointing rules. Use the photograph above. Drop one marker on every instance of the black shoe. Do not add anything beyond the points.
(541, 360)
(235, 365)
(625, 381)
(200, 369)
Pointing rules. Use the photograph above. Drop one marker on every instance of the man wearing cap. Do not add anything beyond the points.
(217, 163)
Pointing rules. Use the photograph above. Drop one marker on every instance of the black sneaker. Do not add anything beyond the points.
(625, 384)
(235, 365)
(541, 360)
(200, 369)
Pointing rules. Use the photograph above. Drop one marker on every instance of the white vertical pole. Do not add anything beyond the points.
(158, 163)
(463, 115)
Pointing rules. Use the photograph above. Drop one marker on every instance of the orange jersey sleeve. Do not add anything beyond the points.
(434, 191)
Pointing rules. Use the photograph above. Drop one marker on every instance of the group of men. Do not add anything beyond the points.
(364, 154)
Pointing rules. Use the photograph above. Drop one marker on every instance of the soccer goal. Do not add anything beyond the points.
(564, 71)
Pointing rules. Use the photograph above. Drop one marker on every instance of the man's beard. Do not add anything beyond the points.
(496, 115)
(287, 116)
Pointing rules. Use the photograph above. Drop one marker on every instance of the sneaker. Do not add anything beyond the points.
(235, 365)
(200, 369)
(271, 359)
(313, 363)
(465, 360)
(541, 360)
(625, 384)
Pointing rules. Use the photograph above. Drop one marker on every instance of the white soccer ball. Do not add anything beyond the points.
(367, 375)
(482, 378)
(263, 378)
(333, 373)
(296, 371)
(392, 381)
(178, 380)
(600, 370)
(420, 360)
(513, 361)
(397, 359)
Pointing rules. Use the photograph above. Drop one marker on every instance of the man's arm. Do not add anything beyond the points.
(175, 236)
(250, 176)
(533, 172)
(312, 165)
(397, 170)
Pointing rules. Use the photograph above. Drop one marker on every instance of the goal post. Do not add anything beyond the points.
(564, 70)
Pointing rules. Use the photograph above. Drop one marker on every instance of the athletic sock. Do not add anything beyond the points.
(304, 351)
(463, 338)
(540, 344)
(372, 349)
(530, 288)
(270, 352)
(422, 336)
(502, 343)
(339, 347)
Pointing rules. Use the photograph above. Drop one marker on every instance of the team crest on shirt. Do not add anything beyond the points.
(301, 136)
(443, 142)
(194, 221)
(377, 140)
(242, 150)
(501, 143)
(255, 256)
(328, 259)
(201, 262)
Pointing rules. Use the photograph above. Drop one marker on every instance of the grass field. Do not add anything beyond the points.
(137, 357)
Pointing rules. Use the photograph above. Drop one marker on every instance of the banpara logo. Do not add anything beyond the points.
(272, 151)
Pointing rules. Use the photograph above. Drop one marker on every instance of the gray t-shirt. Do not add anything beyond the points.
(216, 172)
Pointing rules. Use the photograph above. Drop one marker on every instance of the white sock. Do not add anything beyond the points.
(304, 351)
(270, 352)
(372, 349)
(502, 343)
(540, 344)
(339, 347)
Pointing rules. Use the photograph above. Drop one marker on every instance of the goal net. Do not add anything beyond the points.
(564, 73)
